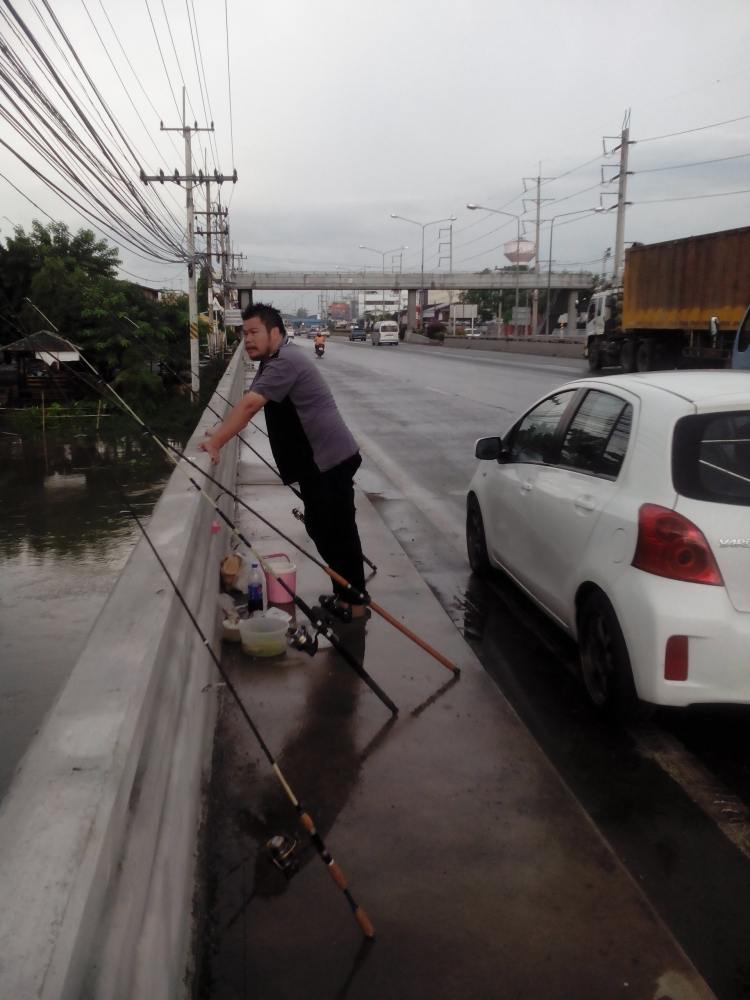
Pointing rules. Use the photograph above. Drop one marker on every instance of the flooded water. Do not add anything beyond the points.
(64, 537)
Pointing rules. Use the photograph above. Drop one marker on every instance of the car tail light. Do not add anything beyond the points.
(670, 545)
(676, 658)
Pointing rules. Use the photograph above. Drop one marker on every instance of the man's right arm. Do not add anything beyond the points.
(238, 418)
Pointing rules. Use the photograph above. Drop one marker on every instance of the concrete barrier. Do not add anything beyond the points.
(561, 347)
(98, 830)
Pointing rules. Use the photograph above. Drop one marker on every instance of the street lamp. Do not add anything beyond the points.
(423, 226)
(383, 254)
(511, 215)
(561, 215)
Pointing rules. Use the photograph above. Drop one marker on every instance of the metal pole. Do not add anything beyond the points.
(621, 199)
(382, 307)
(549, 279)
(421, 290)
(192, 288)
(210, 276)
(535, 297)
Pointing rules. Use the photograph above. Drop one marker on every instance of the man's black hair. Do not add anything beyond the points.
(268, 315)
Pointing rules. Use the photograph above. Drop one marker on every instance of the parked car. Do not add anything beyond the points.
(358, 332)
(385, 332)
(621, 507)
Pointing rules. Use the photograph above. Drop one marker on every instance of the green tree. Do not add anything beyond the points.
(72, 279)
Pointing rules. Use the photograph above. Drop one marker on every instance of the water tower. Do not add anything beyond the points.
(519, 251)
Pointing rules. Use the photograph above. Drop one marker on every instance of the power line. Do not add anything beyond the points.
(135, 75)
(62, 136)
(201, 68)
(696, 163)
(700, 128)
(138, 114)
(690, 197)
(166, 71)
(229, 87)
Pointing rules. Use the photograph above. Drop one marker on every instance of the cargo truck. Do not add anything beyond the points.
(682, 304)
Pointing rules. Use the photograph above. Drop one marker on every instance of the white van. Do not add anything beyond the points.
(385, 332)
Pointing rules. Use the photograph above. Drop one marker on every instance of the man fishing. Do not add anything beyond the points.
(311, 444)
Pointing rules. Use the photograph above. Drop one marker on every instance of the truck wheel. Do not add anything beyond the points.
(595, 355)
(627, 355)
(644, 356)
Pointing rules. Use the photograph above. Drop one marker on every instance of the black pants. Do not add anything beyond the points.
(330, 522)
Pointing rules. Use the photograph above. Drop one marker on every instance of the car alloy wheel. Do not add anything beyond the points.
(476, 543)
(605, 663)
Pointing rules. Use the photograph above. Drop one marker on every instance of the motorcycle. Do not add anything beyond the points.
(320, 350)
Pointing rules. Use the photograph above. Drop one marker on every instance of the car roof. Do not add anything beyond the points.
(701, 388)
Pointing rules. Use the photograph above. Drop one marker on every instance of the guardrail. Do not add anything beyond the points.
(98, 830)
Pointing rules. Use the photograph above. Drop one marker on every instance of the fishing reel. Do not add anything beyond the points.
(300, 638)
(281, 848)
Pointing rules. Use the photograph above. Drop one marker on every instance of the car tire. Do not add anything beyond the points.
(605, 663)
(476, 542)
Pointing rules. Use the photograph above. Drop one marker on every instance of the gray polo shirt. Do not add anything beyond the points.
(303, 420)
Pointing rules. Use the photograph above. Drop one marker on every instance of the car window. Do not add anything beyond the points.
(533, 437)
(711, 457)
(597, 438)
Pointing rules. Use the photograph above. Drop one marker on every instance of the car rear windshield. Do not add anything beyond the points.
(711, 457)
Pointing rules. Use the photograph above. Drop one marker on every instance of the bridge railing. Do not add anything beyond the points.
(98, 830)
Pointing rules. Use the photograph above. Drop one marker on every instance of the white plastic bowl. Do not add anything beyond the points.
(263, 636)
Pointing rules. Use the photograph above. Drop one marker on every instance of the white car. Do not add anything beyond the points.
(621, 506)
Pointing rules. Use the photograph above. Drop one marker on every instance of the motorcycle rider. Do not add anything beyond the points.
(320, 343)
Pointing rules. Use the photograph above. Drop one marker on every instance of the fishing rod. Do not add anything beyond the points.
(320, 624)
(244, 441)
(336, 577)
(304, 817)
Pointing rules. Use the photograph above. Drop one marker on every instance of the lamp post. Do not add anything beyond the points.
(383, 254)
(511, 215)
(423, 226)
(561, 215)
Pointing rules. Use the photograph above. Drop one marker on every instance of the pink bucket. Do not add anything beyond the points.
(283, 568)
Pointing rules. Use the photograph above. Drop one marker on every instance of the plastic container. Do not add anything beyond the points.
(283, 567)
(230, 630)
(263, 635)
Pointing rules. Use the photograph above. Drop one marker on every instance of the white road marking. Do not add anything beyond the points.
(721, 806)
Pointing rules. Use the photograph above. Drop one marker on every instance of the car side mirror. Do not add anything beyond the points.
(490, 448)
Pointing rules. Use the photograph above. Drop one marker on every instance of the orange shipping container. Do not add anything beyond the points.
(681, 284)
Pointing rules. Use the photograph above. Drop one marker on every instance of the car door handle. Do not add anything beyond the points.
(585, 503)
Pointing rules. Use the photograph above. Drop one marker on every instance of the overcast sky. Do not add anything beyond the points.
(345, 112)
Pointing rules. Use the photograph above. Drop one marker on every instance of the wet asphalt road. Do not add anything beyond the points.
(673, 796)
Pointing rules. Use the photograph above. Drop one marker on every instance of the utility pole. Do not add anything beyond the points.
(214, 340)
(443, 242)
(538, 181)
(189, 179)
(622, 188)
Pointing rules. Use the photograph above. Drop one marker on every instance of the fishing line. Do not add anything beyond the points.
(304, 817)
(244, 441)
(336, 577)
(321, 625)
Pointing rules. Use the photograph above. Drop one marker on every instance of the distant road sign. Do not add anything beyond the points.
(521, 315)
(232, 317)
(464, 311)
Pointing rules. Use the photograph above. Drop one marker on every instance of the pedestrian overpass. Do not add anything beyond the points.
(248, 282)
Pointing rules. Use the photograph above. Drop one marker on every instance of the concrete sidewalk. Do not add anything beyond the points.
(481, 873)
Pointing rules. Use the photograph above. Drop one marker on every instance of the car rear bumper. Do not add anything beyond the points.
(718, 639)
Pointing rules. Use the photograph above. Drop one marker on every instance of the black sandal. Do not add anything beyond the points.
(332, 604)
